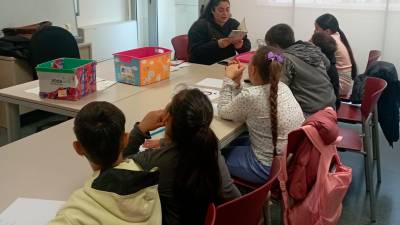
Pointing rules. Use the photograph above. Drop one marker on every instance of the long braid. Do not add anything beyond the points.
(274, 70)
(268, 62)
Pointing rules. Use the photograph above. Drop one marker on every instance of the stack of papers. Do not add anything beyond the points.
(25, 211)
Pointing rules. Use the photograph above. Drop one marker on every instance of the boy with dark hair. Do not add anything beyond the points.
(304, 69)
(119, 192)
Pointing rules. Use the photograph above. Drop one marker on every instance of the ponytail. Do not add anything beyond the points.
(353, 61)
(197, 181)
(197, 170)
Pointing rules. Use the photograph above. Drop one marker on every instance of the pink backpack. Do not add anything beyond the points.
(323, 203)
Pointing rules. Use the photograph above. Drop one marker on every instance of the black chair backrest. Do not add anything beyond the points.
(50, 43)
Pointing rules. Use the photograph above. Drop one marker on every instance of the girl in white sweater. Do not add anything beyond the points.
(266, 105)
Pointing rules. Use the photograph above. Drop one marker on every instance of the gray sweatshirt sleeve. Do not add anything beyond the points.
(288, 72)
(229, 190)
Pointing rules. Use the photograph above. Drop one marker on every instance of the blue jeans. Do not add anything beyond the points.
(242, 162)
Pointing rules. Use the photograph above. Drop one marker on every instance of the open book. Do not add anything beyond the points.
(240, 32)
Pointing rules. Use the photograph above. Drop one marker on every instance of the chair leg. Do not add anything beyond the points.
(267, 211)
(368, 168)
(366, 172)
(375, 139)
(369, 162)
(267, 214)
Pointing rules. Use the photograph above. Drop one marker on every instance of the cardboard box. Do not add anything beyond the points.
(67, 78)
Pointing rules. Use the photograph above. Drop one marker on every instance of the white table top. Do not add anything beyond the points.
(45, 165)
(18, 95)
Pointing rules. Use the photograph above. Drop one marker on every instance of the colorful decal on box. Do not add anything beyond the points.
(126, 74)
(154, 70)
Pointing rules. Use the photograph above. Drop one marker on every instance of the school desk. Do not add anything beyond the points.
(16, 96)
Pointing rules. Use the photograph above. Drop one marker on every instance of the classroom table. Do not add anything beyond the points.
(16, 96)
(45, 165)
(159, 95)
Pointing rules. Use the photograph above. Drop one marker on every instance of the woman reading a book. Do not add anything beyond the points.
(216, 36)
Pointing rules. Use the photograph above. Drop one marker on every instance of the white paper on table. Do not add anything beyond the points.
(101, 84)
(30, 211)
(175, 68)
(32, 91)
(212, 94)
(211, 82)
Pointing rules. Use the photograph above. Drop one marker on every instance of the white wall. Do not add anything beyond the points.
(166, 22)
(175, 18)
(102, 11)
(363, 28)
(259, 18)
(392, 44)
(186, 12)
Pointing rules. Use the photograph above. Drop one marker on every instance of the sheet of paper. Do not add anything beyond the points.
(212, 94)
(210, 82)
(33, 91)
(175, 68)
(30, 211)
(104, 84)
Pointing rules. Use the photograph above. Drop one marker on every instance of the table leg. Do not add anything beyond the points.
(13, 122)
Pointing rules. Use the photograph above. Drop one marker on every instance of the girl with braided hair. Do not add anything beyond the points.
(266, 105)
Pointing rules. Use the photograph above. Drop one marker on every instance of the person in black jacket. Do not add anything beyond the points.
(328, 46)
(209, 40)
(193, 172)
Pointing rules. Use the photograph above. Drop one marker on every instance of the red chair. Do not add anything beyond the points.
(211, 214)
(373, 56)
(180, 44)
(247, 209)
(365, 115)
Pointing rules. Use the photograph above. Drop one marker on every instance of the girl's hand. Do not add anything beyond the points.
(234, 71)
(152, 121)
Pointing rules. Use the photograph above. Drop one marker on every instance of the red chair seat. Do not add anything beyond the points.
(245, 184)
(351, 141)
(349, 114)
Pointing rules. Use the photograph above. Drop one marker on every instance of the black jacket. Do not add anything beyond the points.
(389, 102)
(165, 159)
(203, 41)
